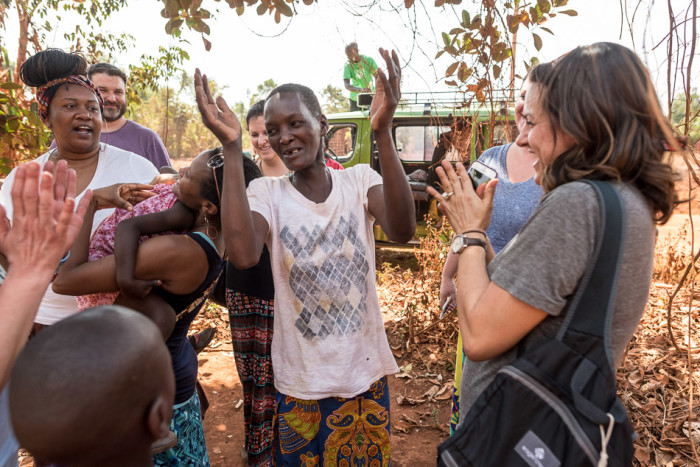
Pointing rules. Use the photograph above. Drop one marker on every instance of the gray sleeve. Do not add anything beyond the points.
(545, 262)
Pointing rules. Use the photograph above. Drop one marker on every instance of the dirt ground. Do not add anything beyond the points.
(417, 427)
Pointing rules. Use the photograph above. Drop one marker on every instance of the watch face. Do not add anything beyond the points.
(457, 244)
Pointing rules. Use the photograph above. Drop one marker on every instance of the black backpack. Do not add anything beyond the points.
(556, 403)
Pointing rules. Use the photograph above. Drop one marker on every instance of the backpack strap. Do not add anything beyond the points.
(595, 296)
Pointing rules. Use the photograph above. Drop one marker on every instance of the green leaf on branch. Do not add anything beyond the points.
(451, 69)
(538, 41)
(544, 6)
(10, 85)
(446, 38)
(546, 30)
(464, 72)
(466, 21)
(173, 24)
(12, 124)
(283, 8)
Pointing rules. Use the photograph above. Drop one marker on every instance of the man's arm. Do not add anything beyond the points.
(352, 88)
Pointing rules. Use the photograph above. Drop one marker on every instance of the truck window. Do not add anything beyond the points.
(416, 143)
(341, 141)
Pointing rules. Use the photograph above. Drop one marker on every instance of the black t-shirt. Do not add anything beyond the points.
(254, 282)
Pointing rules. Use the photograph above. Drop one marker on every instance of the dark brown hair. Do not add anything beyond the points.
(603, 97)
(106, 68)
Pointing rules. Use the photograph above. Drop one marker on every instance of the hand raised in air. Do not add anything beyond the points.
(216, 115)
(388, 92)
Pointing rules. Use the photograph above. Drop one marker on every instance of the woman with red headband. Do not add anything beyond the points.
(71, 107)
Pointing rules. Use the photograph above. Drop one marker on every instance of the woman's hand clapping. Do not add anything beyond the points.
(465, 208)
(44, 224)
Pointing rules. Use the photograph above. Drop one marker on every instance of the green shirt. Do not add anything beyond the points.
(360, 74)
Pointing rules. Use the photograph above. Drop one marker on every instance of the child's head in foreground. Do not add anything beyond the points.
(94, 389)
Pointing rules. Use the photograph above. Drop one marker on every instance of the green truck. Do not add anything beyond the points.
(426, 129)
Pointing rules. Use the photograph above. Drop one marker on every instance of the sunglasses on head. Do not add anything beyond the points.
(214, 162)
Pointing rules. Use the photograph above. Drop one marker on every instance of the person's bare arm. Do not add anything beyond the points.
(244, 231)
(352, 88)
(392, 202)
(178, 218)
(491, 320)
(44, 227)
(71, 272)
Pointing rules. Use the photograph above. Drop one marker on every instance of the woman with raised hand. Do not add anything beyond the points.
(330, 352)
(593, 116)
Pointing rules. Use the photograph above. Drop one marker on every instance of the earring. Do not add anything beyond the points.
(209, 226)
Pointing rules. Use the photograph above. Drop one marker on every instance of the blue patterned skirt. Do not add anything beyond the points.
(191, 449)
(334, 431)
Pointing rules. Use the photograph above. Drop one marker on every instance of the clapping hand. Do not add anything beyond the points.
(216, 115)
(44, 224)
(388, 93)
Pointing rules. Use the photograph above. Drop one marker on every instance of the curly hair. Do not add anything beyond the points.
(602, 96)
(49, 65)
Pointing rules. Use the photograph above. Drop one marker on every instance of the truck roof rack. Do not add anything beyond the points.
(501, 97)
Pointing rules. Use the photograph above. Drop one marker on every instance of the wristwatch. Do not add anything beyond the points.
(461, 241)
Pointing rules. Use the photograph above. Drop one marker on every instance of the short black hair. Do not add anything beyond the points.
(256, 110)
(351, 46)
(51, 64)
(107, 69)
(306, 95)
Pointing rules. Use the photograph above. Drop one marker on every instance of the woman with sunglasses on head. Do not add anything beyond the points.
(167, 277)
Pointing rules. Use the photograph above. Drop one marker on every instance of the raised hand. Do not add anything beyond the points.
(216, 115)
(388, 93)
(44, 225)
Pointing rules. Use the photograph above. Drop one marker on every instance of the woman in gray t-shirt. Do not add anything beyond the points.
(593, 115)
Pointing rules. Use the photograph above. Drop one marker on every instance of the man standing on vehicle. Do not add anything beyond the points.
(358, 74)
(117, 130)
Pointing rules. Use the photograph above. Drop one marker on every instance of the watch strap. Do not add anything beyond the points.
(470, 241)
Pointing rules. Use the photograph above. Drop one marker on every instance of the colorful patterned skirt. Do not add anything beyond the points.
(191, 449)
(251, 320)
(335, 431)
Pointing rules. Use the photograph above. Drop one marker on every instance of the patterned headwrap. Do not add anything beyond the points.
(45, 93)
